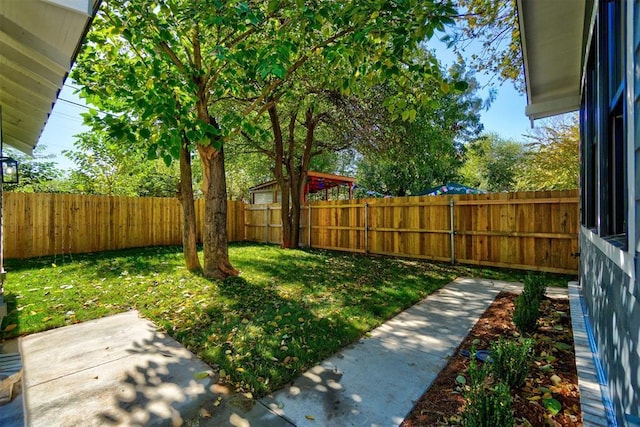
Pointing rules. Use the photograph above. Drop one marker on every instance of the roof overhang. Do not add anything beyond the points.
(553, 39)
(39, 40)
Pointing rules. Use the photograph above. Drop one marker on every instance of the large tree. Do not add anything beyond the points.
(204, 54)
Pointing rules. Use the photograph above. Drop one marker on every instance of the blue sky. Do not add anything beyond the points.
(505, 116)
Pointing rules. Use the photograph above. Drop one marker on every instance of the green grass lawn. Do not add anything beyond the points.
(287, 311)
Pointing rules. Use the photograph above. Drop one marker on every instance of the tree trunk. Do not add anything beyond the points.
(185, 195)
(294, 220)
(298, 174)
(297, 181)
(284, 213)
(214, 236)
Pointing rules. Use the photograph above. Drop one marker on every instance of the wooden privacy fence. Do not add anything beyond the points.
(535, 231)
(38, 224)
(527, 230)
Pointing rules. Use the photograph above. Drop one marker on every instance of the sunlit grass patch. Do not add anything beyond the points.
(287, 311)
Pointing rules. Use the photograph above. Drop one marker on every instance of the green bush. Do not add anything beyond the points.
(510, 361)
(526, 313)
(535, 285)
(477, 372)
(488, 407)
(527, 305)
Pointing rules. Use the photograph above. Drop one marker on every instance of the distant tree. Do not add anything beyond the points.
(106, 166)
(492, 163)
(37, 173)
(553, 159)
(414, 155)
(244, 169)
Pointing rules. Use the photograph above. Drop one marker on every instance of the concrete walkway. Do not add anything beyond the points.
(121, 371)
(118, 370)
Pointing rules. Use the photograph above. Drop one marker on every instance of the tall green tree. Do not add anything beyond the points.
(492, 163)
(315, 113)
(189, 60)
(319, 116)
(553, 159)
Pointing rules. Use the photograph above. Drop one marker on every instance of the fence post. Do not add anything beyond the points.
(366, 228)
(267, 219)
(309, 226)
(452, 232)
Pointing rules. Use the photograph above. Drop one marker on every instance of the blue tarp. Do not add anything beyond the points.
(450, 188)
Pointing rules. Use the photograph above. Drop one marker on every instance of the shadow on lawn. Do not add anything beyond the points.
(156, 392)
(264, 336)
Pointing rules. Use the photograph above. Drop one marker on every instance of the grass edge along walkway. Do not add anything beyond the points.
(287, 311)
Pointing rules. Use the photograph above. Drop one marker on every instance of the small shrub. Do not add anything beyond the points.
(488, 407)
(511, 361)
(526, 313)
(477, 372)
(535, 285)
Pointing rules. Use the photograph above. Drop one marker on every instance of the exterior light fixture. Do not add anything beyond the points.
(9, 170)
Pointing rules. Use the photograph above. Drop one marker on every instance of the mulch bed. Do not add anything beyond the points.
(443, 403)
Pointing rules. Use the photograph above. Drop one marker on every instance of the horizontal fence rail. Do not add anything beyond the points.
(527, 230)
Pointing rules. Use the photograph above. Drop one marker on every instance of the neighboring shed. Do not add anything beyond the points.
(317, 183)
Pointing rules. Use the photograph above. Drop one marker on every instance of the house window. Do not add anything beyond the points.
(588, 144)
(615, 45)
(603, 124)
(615, 224)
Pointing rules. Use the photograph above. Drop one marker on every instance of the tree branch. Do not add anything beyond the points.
(304, 58)
(172, 55)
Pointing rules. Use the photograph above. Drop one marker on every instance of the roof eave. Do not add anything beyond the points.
(552, 37)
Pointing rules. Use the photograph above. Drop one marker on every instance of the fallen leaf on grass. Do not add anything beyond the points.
(201, 375)
(10, 327)
(562, 346)
(552, 405)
